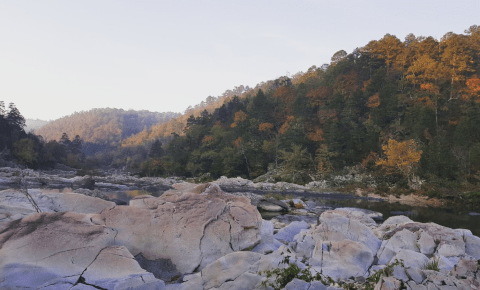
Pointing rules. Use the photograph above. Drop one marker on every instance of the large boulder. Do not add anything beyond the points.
(186, 228)
(60, 250)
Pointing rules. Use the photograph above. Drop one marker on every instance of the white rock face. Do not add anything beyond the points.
(343, 259)
(186, 229)
(15, 205)
(288, 233)
(66, 249)
(404, 239)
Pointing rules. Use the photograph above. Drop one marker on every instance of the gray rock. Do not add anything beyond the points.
(297, 284)
(472, 246)
(415, 274)
(404, 239)
(411, 259)
(84, 182)
(426, 243)
(271, 204)
(343, 259)
(399, 273)
(288, 233)
(317, 285)
(304, 244)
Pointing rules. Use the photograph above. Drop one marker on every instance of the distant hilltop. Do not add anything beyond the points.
(34, 124)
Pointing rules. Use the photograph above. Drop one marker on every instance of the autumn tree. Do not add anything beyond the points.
(401, 157)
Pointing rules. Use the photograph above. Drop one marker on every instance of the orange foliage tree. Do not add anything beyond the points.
(401, 157)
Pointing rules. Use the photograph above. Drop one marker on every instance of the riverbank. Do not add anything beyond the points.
(196, 236)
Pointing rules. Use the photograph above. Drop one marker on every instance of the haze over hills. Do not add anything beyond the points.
(106, 126)
(34, 124)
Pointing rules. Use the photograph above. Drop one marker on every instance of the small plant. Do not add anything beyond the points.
(291, 203)
(432, 265)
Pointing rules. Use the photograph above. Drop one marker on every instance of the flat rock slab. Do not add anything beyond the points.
(65, 249)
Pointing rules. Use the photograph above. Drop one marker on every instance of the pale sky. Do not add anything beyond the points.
(58, 57)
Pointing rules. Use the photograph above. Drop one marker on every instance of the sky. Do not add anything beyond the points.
(59, 57)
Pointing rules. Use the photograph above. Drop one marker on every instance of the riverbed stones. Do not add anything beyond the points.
(288, 233)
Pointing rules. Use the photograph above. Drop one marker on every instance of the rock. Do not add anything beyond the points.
(445, 264)
(360, 215)
(231, 267)
(271, 204)
(399, 273)
(267, 243)
(83, 182)
(426, 243)
(288, 233)
(404, 239)
(472, 246)
(473, 213)
(411, 259)
(343, 259)
(389, 283)
(297, 284)
(304, 244)
(390, 225)
(375, 215)
(317, 285)
(464, 266)
(189, 226)
(65, 249)
(15, 205)
(415, 274)
(341, 224)
(289, 218)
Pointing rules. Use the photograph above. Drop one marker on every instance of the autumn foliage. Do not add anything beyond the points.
(401, 157)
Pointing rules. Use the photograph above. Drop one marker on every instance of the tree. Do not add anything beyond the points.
(156, 150)
(76, 145)
(295, 161)
(14, 118)
(401, 157)
(24, 151)
(338, 56)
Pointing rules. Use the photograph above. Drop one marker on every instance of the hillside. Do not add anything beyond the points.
(103, 126)
(394, 108)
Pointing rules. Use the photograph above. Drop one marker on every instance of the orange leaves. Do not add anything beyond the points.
(237, 142)
(265, 127)
(473, 89)
(473, 84)
(318, 96)
(346, 84)
(401, 156)
(431, 88)
(316, 135)
(286, 125)
(208, 139)
(240, 116)
(373, 101)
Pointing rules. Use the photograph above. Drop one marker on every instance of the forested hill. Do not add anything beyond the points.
(405, 107)
(103, 126)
